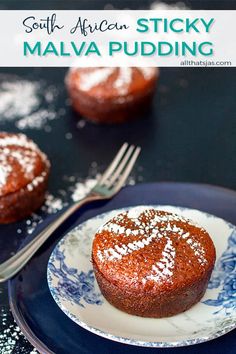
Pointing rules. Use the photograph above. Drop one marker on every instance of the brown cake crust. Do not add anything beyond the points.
(111, 95)
(24, 171)
(152, 263)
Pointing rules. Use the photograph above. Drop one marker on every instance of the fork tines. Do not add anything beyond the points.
(121, 166)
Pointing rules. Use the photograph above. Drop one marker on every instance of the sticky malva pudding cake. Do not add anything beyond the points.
(152, 263)
(111, 95)
(24, 173)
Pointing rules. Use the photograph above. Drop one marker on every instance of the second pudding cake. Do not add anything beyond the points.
(152, 263)
(111, 95)
(24, 171)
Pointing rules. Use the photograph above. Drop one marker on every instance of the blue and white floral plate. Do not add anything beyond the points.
(75, 290)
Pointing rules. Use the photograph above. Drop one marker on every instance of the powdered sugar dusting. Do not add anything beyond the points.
(91, 79)
(36, 120)
(198, 250)
(4, 171)
(97, 76)
(124, 80)
(52, 204)
(148, 73)
(18, 98)
(160, 5)
(11, 338)
(21, 102)
(17, 140)
(81, 189)
(36, 181)
(124, 250)
(158, 227)
(164, 267)
(134, 213)
(25, 158)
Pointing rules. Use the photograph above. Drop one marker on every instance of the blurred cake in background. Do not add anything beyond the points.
(24, 171)
(111, 95)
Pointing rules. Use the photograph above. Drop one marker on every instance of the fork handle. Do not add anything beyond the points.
(14, 264)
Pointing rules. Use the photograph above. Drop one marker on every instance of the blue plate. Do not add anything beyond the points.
(74, 288)
(50, 330)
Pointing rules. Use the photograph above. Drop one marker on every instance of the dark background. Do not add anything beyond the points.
(189, 135)
(118, 4)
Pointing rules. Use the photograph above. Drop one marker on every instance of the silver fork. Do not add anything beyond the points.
(107, 186)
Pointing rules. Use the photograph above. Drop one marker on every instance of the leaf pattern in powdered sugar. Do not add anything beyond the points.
(97, 76)
(145, 234)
